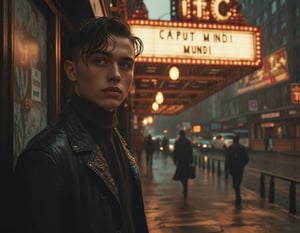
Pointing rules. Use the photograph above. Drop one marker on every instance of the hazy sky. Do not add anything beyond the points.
(158, 9)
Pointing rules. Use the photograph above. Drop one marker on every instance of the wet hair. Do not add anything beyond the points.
(94, 35)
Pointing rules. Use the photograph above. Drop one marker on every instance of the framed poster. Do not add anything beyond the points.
(29, 73)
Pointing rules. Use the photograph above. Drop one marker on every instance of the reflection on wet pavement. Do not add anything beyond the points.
(209, 206)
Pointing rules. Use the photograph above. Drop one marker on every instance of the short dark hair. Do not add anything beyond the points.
(182, 132)
(94, 34)
(236, 138)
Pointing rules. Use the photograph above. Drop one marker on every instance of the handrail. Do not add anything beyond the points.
(209, 163)
(292, 190)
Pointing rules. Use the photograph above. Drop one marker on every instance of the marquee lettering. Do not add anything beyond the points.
(176, 35)
(220, 10)
(196, 49)
(220, 16)
(193, 36)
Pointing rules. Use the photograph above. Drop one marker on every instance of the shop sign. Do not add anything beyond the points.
(196, 128)
(186, 125)
(273, 71)
(267, 125)
(252, 105)
(295, 92)
(270, 115)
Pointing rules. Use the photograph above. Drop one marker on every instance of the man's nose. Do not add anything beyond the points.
(114, 73)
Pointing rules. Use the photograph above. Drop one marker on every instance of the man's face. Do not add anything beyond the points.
(105, 77)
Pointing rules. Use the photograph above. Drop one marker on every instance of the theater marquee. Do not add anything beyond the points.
(198, 43)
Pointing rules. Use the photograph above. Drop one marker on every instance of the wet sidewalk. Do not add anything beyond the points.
(209, 207)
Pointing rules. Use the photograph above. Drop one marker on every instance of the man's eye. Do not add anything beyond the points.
(126, 65)
(100, 61)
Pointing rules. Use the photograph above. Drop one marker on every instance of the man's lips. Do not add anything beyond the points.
(112, 90)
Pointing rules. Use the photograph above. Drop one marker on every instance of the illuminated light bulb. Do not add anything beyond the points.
(155, 106)
(150, 119)
(145, 121)
(159, 98)
(174, 73)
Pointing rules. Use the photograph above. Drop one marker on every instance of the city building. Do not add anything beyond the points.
(266, 103)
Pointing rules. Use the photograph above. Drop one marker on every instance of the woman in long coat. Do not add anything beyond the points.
(183, 157)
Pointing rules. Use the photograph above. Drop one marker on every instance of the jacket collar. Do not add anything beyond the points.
(81, 141)
(78, 136)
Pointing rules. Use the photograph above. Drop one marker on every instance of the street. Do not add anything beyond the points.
(286, 165)
(210, 204)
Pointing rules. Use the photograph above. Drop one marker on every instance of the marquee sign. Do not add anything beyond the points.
(198, 43)
(207, 10)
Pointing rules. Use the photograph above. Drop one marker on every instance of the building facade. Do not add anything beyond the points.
(264, 104)
(276, 109)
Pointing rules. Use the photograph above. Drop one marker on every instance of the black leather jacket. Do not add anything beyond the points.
(63, 184)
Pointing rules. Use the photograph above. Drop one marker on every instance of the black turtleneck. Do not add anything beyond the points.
(97, 121)
(100, 123)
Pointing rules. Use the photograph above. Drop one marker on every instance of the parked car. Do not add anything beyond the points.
(204, 145)
(221, 141)
(171, 144)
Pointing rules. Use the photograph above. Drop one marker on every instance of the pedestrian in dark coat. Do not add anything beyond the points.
(165, 145)
(183, 157)
(149, 149)
(139, 147)
(236, 160)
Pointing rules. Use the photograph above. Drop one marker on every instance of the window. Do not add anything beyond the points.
(282, 20)
(297, 12)
(30, 74)
(274, 26)
(257, 21)
(265, 16)
(298, 130)
(274, 7)
(283, 42)
(283, 25)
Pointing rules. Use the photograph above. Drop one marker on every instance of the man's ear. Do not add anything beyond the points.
(70, 70)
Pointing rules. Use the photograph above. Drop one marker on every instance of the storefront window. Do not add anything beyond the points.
(279, 132)
(298, 130)
(29, 65)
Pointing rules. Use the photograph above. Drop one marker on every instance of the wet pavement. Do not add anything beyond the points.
(210, 205)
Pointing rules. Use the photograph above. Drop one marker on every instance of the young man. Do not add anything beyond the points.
(78, 175)
(236, 160)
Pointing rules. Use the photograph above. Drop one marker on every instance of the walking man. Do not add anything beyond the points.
(183, 157)
(236, 160)
(149, 149)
